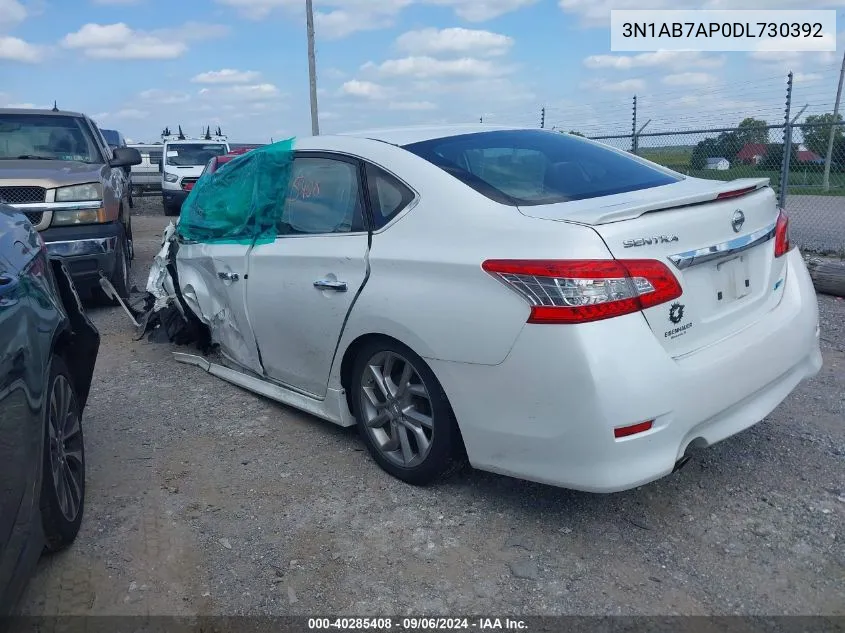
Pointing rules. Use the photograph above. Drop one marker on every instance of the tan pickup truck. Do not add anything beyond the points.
(57, 169)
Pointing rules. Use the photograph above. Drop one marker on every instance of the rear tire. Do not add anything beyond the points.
(403, 414)
(62, 499)
(171, 209)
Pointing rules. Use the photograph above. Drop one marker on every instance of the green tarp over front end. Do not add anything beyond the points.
(241, 201)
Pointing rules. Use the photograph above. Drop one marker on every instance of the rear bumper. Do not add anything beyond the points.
(547, 413)
(85, 250)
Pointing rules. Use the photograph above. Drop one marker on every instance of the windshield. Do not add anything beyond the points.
(193, 154)
(47, 137)
(531, 167)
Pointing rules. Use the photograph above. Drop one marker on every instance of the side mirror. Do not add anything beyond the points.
(125, 157)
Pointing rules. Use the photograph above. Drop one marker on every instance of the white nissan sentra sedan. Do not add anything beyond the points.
(544, 305)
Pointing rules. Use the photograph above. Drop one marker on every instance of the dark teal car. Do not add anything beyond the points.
(48, 348)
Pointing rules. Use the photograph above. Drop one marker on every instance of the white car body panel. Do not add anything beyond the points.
(297, 324)
(536, 401)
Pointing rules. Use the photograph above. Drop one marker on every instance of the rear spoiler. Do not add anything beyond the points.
(719, 191)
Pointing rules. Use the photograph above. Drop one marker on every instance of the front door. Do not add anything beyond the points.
(302, 285)
(212, 278)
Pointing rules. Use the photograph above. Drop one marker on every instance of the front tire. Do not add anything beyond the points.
(403, 414)
(63, 482)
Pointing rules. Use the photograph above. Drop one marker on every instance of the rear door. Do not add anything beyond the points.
(302, 285)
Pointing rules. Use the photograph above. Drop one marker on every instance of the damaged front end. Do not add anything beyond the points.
(163, 313)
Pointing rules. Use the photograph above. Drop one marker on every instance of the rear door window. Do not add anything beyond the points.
(388, 196)
(533, 167)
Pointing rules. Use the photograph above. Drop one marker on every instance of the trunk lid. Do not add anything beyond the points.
(727, 268)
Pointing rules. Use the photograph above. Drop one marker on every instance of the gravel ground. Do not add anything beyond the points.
(205, 499)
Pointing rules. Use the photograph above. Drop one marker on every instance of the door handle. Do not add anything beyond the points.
(328, 284)
(228, 276)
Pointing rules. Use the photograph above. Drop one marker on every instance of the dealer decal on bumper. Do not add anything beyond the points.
(676, 315)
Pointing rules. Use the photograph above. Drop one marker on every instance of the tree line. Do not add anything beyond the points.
(815, 132)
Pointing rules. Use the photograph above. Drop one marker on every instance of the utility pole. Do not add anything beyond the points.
(312, 68)
(829, 156)
(543, 117)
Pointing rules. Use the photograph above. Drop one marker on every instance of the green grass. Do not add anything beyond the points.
(667, 155)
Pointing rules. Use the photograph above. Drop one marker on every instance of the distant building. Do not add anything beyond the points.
(752, 153)
(718, 163)
(808, 156)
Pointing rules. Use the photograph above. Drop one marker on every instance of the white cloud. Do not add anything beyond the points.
(626, 85)
(363, 89)
(17, 50)
(690, 79)
(457, 40)
(256, 9)
(343, 22)
(12, 13)
(119, 3)
(333, 73)
(807, 77)
(227, 76)
(424, 67)
(412, 106)
(118, 41)
(658, 58)
(27, 106)
(597, 12)
(164, 97)
(130, 114)
(482, 10)
(244, 92)
(339, 18)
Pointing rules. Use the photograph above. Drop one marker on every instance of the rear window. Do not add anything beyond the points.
(533, 167)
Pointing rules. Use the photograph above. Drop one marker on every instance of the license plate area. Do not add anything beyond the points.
(733, 280)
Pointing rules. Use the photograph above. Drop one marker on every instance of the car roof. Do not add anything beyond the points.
(43, 112)
(408, 135)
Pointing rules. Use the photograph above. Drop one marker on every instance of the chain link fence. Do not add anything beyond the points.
(792, 157)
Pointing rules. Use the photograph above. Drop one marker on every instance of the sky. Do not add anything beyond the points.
(140, 65)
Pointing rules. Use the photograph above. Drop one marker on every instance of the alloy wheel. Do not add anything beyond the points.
(397, 409)
(66, 452)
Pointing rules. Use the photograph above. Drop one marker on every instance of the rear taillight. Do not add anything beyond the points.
(782, 244)
(584, 290)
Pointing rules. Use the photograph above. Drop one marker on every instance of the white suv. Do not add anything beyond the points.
(182, 166)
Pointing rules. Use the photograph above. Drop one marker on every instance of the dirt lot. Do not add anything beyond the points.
(206, 499)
